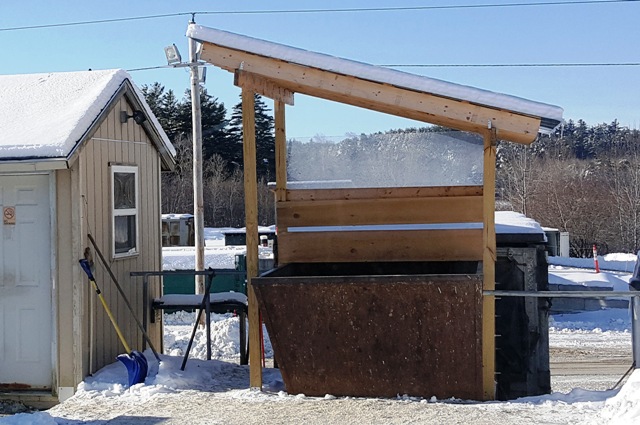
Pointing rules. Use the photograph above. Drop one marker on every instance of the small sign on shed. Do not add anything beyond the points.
(9, 215)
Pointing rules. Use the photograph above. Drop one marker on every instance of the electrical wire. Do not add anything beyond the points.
(511, 65)
(345, 10)
(97, 21)
(412, 8)
(467, 65)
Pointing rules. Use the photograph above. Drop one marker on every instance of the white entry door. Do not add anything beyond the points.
(25, 283)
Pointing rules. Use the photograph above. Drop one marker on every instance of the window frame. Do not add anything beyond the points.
(125, 212)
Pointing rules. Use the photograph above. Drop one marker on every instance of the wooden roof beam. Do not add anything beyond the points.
(452, 113)
(263, 86)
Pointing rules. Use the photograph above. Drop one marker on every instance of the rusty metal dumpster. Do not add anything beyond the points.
(376, 329)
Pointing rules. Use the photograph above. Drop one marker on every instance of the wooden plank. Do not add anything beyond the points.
(63, 292)
(381, 193)
(421, 106)
(281, 150)
(251, 220)
(83, 303)
(263, 86)
(418, 245)
(459, 209)
(489, 267)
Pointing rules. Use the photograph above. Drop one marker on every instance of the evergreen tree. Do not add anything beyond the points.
(215, 138)
(172, 124)
(153, 95)
(164, 105)
(265, 138)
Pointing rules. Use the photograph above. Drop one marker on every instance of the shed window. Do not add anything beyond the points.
(124, 183)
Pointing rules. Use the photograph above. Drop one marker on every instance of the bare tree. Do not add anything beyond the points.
(177, 186)
(215, 174)
(266, 204)
(623, 181)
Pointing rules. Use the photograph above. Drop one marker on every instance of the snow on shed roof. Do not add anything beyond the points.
(551, 116)
(47, 115)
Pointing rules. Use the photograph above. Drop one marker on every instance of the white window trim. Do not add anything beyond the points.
(124, 212)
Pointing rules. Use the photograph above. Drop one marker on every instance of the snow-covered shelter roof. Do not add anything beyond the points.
(372, 87)
(45, 117)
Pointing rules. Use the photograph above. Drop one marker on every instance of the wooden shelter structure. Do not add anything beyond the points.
(277, 72)
(81, 153)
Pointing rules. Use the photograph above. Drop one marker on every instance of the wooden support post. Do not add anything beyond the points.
(489, 267)
(251, 222)
(281, 151)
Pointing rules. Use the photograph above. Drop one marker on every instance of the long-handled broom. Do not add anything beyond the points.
(135, 362)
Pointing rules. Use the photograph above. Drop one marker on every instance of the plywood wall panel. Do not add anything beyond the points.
(450, 209)
(418, 245)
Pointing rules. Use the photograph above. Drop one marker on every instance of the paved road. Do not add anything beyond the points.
(616, 367)
(591, 368)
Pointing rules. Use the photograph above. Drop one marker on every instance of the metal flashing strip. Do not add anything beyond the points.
(33, 165)
(564, 294)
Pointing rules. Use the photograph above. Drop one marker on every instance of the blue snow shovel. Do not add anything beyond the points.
(135, 361)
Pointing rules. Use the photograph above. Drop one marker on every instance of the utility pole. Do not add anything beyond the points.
(198, 197)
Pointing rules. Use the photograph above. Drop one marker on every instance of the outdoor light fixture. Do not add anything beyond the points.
(138, 117)
(202, 74)
(174, 60)
(172, 54)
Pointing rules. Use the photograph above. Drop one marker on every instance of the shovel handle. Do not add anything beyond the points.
(113, 320)
(87, 269)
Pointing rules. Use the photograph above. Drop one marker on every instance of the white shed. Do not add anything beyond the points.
(71, 145)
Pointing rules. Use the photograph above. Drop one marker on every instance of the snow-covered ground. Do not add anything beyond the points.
(217, 391)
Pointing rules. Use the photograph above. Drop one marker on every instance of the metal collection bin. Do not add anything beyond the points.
(376, 329)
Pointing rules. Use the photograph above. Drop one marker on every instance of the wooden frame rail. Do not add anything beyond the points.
(380, 224)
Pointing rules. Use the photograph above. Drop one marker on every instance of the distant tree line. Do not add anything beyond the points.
(409, 157)
(582, 179)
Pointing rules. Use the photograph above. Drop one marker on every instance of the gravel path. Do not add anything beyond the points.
(197, 407)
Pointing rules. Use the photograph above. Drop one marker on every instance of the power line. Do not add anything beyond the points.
(511, 65)
(345, 10)
(98, 21)
(410, 8)
(468, 65)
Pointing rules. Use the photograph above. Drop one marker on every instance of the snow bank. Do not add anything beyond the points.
(615, 262)
(560, 275)
(225, 329)
(166, 377)
(624, 408)
(37, 418)
(598, 321)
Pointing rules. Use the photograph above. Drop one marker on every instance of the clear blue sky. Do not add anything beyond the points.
(580, 33)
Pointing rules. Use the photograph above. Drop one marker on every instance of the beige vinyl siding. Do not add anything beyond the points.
(120, 144)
